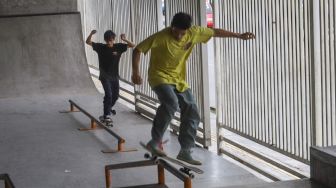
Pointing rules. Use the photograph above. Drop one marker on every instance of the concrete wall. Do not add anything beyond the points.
(15, 7)
(43, 55)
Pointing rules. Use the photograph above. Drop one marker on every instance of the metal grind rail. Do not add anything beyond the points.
(94, 122)
(7, 180)
(161, 165)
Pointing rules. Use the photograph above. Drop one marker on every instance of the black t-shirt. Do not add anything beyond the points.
(109, 59)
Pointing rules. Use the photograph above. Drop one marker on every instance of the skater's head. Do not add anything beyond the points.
(109, 36)
(180, 24)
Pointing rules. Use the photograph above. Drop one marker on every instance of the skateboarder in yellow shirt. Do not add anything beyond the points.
(170, 49)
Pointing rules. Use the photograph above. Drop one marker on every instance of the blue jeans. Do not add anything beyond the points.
(111, 89)
(171, 100)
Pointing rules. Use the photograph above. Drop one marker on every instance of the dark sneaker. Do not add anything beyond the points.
(101, 118)
(185, 155)
(108, 118)
(105, 119)
(155, 149)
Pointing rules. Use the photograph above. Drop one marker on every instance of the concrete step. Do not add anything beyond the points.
(323, 165)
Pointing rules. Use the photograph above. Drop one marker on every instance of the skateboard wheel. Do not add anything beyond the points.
(147, 156)
(183, 170)
(191, 175)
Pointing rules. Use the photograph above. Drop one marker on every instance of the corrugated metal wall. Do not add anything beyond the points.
(264, 93)
(147, 20)
(269, 89)
(324, 24)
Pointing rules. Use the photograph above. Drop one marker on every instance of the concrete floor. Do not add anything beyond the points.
(41, 147)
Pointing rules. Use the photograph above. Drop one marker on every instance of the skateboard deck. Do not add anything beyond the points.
(186, 168)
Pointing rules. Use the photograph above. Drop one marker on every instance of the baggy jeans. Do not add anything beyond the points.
(111, 89)
(171, 100)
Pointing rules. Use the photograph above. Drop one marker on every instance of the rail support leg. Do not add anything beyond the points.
(187, 183)
(93, 124)
(73, 108)
(121, 145)
(120, 148)
(107, 178)
(161, 174)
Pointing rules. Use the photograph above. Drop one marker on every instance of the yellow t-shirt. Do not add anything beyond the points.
(169, 56)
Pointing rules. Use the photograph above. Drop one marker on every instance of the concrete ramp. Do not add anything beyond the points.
(42, 55)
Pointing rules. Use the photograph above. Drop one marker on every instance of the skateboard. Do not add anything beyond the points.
(185, 168)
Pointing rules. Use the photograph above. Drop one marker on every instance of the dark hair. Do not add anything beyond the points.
(108, 35)
(181, 20)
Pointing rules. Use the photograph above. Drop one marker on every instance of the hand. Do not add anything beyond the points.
(136, 79)
(123, 37)
(246, 36)
(93, 32)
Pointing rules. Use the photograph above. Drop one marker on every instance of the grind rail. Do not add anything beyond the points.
(94, 122)
(161, 164)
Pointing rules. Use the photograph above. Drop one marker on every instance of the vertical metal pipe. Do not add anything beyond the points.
(218, 78)
(316, 90)
(205, 82)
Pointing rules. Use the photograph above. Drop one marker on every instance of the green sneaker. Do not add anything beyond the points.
(155, 149)
(185, 155)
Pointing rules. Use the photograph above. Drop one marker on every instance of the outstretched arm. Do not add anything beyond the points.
(223, 33)
(129, 43)
(88, 40)
(136, 78)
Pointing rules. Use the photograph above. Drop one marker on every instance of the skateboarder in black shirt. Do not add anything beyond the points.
(109, 56)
